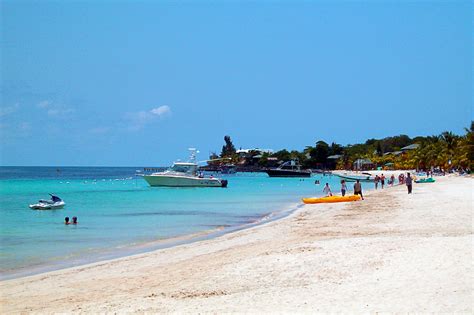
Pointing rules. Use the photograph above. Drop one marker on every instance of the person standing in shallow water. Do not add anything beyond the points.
(358, 189)
(327, 190)
(409, 182)
(382, 180)
(343, 188)
(392, 180)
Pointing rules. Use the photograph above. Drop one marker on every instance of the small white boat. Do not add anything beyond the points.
(53, 204)
(183, 174)
(354, 177)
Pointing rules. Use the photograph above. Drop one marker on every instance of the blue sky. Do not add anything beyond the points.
(125, 83)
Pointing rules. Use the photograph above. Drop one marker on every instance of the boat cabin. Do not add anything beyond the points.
(187, 168)
(290, 165)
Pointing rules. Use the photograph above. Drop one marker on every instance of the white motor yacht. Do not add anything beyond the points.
(184, 174)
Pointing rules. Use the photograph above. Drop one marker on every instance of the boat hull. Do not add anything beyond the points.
(425, 180)
(331, 199)
(287, 173)
(355, 178)
(178, 181)
(48, 206)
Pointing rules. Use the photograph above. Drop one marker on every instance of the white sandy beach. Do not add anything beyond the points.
(393, 252)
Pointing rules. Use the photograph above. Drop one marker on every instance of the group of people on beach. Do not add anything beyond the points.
(381, 179)
(401, 180)
(357, 189)
(408, 181)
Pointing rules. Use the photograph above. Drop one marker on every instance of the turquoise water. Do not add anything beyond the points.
(118, 212)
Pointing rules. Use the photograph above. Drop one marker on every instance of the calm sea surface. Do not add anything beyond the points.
(119, 214)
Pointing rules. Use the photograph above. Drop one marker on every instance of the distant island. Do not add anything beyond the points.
(446, 151)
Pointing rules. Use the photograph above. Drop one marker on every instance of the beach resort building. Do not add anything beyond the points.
(363, 165)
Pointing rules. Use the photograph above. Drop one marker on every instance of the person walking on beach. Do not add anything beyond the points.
(376, 181)
(392, 180)
(409, 182)
(401, 179)
(382, 180)
(343, 188)
(358, 189)
(327, 190)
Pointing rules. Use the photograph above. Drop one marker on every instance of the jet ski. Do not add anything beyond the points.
(54, 203)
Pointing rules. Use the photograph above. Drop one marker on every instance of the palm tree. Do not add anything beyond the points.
(450, 141)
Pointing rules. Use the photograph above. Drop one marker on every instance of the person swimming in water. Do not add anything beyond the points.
(66, 221)
(74, 220)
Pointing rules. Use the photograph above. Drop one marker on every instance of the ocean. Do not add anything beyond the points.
(119, 214)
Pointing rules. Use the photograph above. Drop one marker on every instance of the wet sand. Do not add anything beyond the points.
(392, 252)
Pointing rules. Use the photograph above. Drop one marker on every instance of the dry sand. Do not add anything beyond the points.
(392, 252)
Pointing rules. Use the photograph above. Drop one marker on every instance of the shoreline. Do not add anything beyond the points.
(132, 249)
(128, 250)
(380, 254)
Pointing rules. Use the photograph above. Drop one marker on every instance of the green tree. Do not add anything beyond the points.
(282, 155)
(335, 149)
(320, 153)
(379, 149)
(228, 150)
(469, 145)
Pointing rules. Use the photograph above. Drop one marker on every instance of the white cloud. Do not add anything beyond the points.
(55, 110)
(161, 111)
(138, 120)
(60, 111)
(7, 110)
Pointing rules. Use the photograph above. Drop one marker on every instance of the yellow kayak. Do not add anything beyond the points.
(331, 199)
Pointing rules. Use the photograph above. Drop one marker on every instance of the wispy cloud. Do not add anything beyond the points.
(24, 126)
(99, 130)
(44, 104)
(7, 110)
(138, 120)
(14, 131)
(161, 111)
(55, 110)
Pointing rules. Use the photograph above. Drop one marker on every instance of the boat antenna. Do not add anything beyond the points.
(192, 155)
